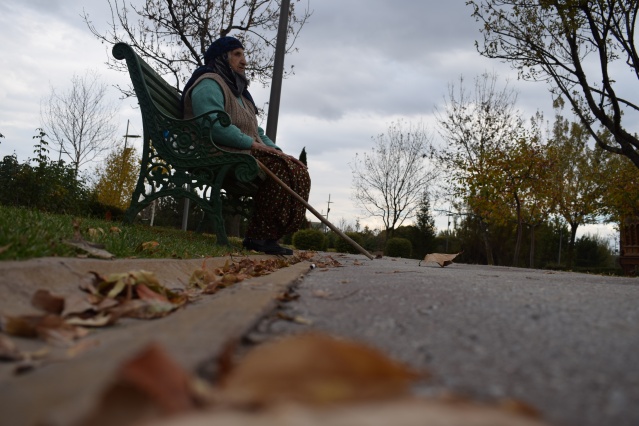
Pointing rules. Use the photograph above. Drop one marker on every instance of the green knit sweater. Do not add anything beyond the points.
(207, 95)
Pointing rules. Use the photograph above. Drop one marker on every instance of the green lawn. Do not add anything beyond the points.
(27, 234)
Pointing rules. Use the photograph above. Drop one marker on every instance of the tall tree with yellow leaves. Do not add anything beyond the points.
(117, 176)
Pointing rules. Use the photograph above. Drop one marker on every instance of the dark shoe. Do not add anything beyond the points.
(266, 246)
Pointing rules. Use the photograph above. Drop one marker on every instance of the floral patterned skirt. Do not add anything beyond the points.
(276, 212)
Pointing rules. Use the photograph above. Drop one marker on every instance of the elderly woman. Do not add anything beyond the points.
(221, 84)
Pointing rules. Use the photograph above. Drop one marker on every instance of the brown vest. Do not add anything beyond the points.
(242, 116)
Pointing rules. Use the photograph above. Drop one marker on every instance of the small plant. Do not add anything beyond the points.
(399, 247)
(342, 246)
(309, 239)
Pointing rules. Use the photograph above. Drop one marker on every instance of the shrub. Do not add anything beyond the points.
(398, 247)
(342, 246)
(309, 239)
(50, 186)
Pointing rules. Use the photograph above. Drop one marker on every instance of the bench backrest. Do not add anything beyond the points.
(148, 84)
(184, 144)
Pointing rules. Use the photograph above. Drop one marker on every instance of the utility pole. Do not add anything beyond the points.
(278, 72)
(328, 209)
(124, 157)
(127, 136)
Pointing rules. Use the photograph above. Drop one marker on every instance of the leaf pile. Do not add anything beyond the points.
(106, 299)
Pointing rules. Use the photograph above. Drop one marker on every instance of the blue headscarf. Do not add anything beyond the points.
(216, 61)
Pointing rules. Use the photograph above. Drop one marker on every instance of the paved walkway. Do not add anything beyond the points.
(564, 343)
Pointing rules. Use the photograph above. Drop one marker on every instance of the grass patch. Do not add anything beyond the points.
(27, 234)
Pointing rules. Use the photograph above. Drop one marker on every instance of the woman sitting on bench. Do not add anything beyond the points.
(221, 84)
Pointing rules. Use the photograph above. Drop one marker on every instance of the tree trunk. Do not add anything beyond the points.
(519, 232)
(533, 228)
(489, 250)
(571, 243)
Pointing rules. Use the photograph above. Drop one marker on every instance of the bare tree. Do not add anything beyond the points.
(173, 35)
(477, 127)
(79, 120)
(584, 48)
(390, 181)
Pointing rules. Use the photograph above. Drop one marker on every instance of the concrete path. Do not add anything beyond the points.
(566, 343)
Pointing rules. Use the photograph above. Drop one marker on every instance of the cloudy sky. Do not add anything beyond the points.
(361, 65)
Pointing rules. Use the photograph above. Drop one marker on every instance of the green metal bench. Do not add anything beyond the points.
(179, 159)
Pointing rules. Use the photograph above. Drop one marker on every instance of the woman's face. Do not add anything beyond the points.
(237, 60)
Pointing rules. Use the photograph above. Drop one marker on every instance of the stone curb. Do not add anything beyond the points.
(62, 393)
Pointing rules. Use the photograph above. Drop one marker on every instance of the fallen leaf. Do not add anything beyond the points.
(96, 232)
(95, 250)
(51, 328)
(149, 246)
(147, 386)
(212, 288)
(316, 369)
(100, 320)
(57, 331)
(47, 302)
(145, 293)
(21, 326)
(404, 412)
(202, 278)
(440, 258)
(5, 248)
(76, 304)
(143, 309)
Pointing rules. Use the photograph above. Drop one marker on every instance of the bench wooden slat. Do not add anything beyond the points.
(163, 95)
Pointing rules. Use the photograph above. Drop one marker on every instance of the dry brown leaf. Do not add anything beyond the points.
(145, 293)
(94, 250)
(51, 328)
(143, 309)
(47, 302)
(96, 232)
(75, 304)
(202, 278)
(315, 369)
(440, 258)
(5, 248)
(100, 320)
(148, 246)
(21, 326)
(402, 412)
(148, 385)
